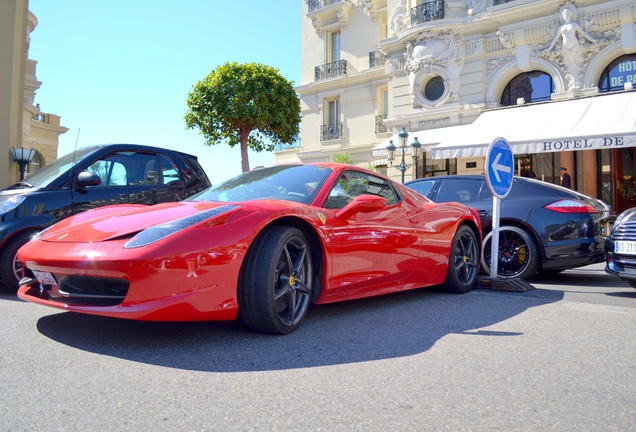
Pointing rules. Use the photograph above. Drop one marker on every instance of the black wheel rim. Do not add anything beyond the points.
(466, 258)
(292, 289)
(514, 254)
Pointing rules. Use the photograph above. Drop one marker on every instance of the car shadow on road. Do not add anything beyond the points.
(389, 326)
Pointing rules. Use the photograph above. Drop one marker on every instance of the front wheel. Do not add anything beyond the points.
(10, 268)
(276, 281)
(463, 264)
(518, 254)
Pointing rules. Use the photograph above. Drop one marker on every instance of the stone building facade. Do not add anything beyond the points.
(553, 77)
(22, 123)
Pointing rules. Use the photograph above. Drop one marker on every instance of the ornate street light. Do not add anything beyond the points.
(415, 152)
(22, 157)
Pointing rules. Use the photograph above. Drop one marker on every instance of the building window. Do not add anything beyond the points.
(532, 86)
(620, 72)
(333, 47)
(36, 164)
(434, 88)
(332, 128)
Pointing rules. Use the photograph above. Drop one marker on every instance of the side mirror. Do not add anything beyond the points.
(362, 204)
(86, 178)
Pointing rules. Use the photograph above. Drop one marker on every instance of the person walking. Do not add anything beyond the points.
(566, 181)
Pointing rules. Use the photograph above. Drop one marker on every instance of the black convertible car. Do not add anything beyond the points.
(88, 178)
(543, 227)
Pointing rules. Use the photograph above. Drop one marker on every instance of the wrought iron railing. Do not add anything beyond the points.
(330, 70)
(430, 11)
(376, 58)
(314, 5)
(379, 123)
(330, 131)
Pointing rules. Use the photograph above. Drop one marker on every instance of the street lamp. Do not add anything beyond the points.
(22, 157)
(415, 152)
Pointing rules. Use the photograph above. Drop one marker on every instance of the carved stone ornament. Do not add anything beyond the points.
(574, 44)
(397, 24)
(428, 55)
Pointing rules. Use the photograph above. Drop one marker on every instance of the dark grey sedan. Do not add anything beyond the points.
(620, 248)
(543, 227)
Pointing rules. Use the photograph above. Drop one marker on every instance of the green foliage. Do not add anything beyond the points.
(344, 158)
(248, 104)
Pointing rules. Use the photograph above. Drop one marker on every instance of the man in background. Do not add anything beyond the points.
(566, 181)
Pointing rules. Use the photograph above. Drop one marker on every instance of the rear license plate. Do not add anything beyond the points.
(45, 278)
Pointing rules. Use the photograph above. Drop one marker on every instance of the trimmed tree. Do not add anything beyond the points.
(248, 104)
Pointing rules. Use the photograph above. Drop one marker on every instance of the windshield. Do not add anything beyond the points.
(298, 183)
(46, 175)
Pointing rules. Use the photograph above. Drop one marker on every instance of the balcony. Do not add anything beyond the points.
(331, 70)
(431, 11)
(330, 131)
(376, 59)
(379, 123)
(315, 5)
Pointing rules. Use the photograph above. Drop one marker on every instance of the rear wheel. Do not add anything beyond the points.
(276, 281)
(518, 254)
(10, 267)
(463, 263)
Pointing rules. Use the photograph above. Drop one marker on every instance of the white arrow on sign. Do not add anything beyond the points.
(496, 167)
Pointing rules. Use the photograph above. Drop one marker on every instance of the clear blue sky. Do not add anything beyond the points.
(119, 71)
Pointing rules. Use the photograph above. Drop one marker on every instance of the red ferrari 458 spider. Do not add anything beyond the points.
(260, 247)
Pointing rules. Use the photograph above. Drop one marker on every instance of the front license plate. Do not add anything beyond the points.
(625, 247)
(45, 278)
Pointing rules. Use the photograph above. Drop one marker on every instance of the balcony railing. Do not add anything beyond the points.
(431, 11)
(330, 131)
(376, 58)
(379, 123)
(314, 5)
(330, 70)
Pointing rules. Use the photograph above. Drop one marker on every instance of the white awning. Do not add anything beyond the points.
(605, 121)
(429, 138)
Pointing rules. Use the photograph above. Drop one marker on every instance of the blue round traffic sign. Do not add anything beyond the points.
(500, 168)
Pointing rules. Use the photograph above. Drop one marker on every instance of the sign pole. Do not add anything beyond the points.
(494, 238)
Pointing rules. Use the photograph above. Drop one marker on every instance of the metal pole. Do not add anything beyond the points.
(494, 239)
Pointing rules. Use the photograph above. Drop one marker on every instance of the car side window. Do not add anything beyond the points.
(463, 191)
(351, 184)
(423, 187)
(110, 172)
(127, 168)
(169, 170)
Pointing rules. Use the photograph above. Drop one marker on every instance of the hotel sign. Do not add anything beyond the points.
(598, 143)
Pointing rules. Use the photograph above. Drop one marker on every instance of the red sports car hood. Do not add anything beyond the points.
(108, 223)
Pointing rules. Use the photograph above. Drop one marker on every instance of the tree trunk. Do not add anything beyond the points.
(245, 163)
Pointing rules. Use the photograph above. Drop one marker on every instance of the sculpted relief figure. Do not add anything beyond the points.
(398, 18)
(573, 52)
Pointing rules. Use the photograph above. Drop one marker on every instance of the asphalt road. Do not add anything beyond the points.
(559, 357)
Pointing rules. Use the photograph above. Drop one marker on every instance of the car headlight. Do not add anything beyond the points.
(157, 232)
(11, 203)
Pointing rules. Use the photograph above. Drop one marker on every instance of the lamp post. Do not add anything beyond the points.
(415, 152)
(22, 157)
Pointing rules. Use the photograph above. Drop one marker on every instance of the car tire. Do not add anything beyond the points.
(10, 267)
(276, 281)
(463, 264)
(631, 283)
(518, 254)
